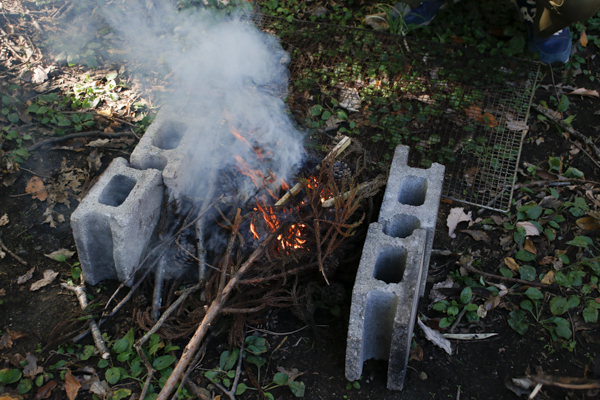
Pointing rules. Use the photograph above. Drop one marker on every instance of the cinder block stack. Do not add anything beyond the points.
(393, 270)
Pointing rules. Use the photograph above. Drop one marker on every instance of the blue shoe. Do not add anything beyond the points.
(422, 15)
(553, 49)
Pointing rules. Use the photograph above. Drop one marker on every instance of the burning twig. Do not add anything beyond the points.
(333, 154)
(331, 202)
(212, 312)
(83, 302)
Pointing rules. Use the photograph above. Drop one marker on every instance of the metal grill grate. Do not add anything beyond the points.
(450, 105)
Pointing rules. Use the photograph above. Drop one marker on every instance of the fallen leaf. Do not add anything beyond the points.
(469, 336)
(539, 140)
(585, 92)
(470, 175)
(548, 279)
(583, 39)
(32, 369)
(416, 353)
(474, 112)
(60, 252)
(435, 337)
(14, 335)
(52, 217)
(550, 202)
(478, 235)
(529, 246)
(588, 223)
(45, 391)
(24, 278)
(10, 397)
(6, 341)
(4, 220)
(489, 120)
(511, 263)
(292, 373)
(39, 75)
(457, 39)
(492, 303)
(377, 21)
(456, 216)
(72, 385)
(435, 295)
(98, 143)
(36, 187)
(548, 260)
(105, 113)
(530, 229)
(2, 292)
(498, 219)
(2, 254)
(49, 276)
(100, 388)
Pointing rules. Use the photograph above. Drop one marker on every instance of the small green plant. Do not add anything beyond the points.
(254, 348)
(453, 308)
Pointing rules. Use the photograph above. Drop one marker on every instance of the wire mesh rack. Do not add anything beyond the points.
(451, 105)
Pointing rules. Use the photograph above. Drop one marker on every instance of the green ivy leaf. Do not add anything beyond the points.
(13, 117)
(280, 378)
(563, 105)
(163, 362)
(466, 295)
(326, 115)
(534, 293)
(526, 305)
(558, 305)
(241, 388)
(24, 386)
(297, 388)
(441, 305)
(590, 315)
(524, 255)
(120, 394)
(573, 173)
(228, 359)
(507, 273)
(112, 375)
(581, 241)
(527, 272)
(518, 321)
(102, 364)
(445, 322)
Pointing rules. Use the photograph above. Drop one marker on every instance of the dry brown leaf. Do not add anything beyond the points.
(6, 341)
(498, 219)
(539, 140)
(470, 175)
(24, 278)
(36, 187)
(456, 216)
(585, 92)
(511, 263)
(588, 223)
(105, 113)
(39, 75)
(32, 369)
(2, 292)
(529, 246)
(530, 229)
(14, 335)
(416, 353)
(474, 112)
(489, 120)
(4, 220)
(60, 252)
(10, 397)
(72, 385)
(49, 276)
(548, 279)
(583, 39)
(478, 235)
(548, 260)
(45, 391)
(492, 303)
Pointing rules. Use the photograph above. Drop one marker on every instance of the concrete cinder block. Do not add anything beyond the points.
(411, 201)
(113, 224)
(384, 303)
(168, 146)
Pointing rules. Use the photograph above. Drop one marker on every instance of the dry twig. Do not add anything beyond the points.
(16, 257)
(83, 302)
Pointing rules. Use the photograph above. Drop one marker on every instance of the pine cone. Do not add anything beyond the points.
(184, 253)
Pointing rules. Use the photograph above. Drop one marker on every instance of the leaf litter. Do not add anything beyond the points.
(49, 276)
(456, 216)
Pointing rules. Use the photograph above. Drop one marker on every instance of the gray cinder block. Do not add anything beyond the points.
(411, 201)
(384, 303)
(167, 146)
(113, 224)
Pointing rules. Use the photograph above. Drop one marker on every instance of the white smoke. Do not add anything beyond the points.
(222, 74)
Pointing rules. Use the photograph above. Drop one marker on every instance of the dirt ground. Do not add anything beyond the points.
(477, 369)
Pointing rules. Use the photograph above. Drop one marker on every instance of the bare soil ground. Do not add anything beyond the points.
(42, 322)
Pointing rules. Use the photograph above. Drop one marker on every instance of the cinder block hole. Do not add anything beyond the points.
(99, 241)
(117, 190)
(170, 135)
(154, 162)
(380, 310)
(390, 264)
(401, 226)
(413, 191)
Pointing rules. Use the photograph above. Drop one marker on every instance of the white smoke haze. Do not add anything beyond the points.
(222, 74)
